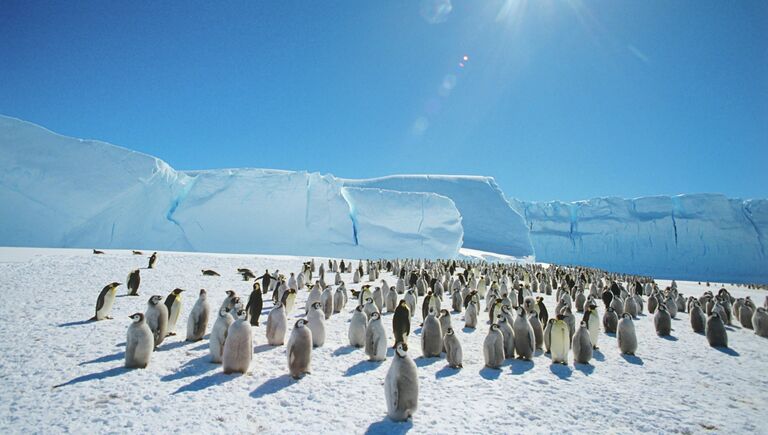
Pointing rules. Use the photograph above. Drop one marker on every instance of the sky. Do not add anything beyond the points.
(556, 99)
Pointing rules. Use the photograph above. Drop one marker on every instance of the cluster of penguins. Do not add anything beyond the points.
(519, 322)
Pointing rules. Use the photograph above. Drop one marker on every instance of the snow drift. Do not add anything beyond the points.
(697, 236)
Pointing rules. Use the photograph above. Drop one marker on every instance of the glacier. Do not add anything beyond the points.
(692, 236)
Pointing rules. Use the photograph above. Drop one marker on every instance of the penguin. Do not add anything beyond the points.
(716, 333)
(525, 341)
(137, 253)
(152, 261)
(299, 350)
(697, 318)
(453, 352)
(134, 280)
(610, 321)
(559, 341)
(445, 323)
(431, 336)
(326, 299)
(630, 306)
(247, 274)
(173, 304)
(391, 300)
(157, 318)
(339, 299)
(208, 272)
(618, 305)
(671, 307)
(580, 300)
(494, 310)
(375, 339)
(197, 322)
(289, 300)
(401, 322)
(509, 336)
(139, 343)
(378, 299)
(625, 335)
(538, 331)
(276, 325)
(230, 301)
(662, 321)
(745, 314)
(547, 335)
(582, 345)
(653, 303)
(219, 334)
(760, 322)
(470, 315)
(97, 252)
(316, 323)
(570, 320)
(401, 385)
(427, 304)
(493, 347)
(238, 347)
(543, 313)
(105, 301)
(358, 326)
(369, 308)
(456, 301)
(593, 324)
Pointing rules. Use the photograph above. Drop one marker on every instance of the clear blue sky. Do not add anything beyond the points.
(557, 100)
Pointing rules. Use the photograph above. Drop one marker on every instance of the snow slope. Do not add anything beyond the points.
(65, 192)
(676, 385)
(697, 236)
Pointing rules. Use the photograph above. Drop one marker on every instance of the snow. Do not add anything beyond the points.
(673, 385)
(692, 236)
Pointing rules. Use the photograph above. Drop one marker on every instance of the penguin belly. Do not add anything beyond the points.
(238, 348)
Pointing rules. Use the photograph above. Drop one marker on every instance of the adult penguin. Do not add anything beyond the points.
(157, 318)
(139, 343)
(254, 305)
(289, 300)
(559, 341)
(607, 297)
(105, 301)
(375, 339)
(431, 336)
(697, 317)
(525, 342)
(662, 321)
(610, 321)
(401, 322)
(582, 345)
(543, 313)
(277, 324)
(453, 352)
(625, 335)
(238, 348)
(265, 279)
(173, 304)
(299, 350)
(219, 334)
(357, 327)
(716, 333)
(152, 261)
(197, 322)
(493, 347)
(401, 385)
(133, 282)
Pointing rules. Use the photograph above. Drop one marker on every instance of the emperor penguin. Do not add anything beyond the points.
(105, 301)
(411, 299)
(134, 280)
(493, 347)
(582, 345)
(625, 335)
(197, 322)
(538, 331)
(173, 304)
(509, 336)
(570, 320)
(326, 299)
(375, 339)
(157, 318)
(445, 322)
(230, 301)
(400, 286)
(219, 334)
(543, 313)
(255, 304)
(610, 320)
(401, 322)
(378, 299)
(401, 385)
(299, 350)
(494, 309)
(470, 315)
(453, 352)
(698, 318)
(238, 347)
(760, 322)
(369, 308)
(652, 303)
(357, 327)
(745, 314)
(431, 336)
(671, 306)
(339, 299)
(525, 342)
(139, 343)
(716, 333)
(152, 261)
(289, 300)
(391, 300)
(559, 341)
(316, 323)
(593, 324)
(630, 306)
(662, 321)
(314, 296)
(547, 336)
(277, 324)
(618, 305)
(456, 301)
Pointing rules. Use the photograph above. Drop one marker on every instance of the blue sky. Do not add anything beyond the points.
(557, 100)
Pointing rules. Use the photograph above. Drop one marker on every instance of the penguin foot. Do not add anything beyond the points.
(108, 318)
(171, 334)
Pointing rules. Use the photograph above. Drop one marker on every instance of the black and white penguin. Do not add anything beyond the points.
(401, 385)
(255, 304)
(493, 347)
(173, 304)
(137, 253)
(105, 301)
(157, 318)
(625, 335)
(543, 313)
(316, 323)
(277, 324)
(97, 252)
(375, 339)
(289, 300)
(401, 322)
(593, 324)
(209, 272)
(299, 350)
(152, 261)
(197, 322)
(453, 351)
(238, 347)
(716, 333)
(230, 301)
(133, 282)
(139, 343)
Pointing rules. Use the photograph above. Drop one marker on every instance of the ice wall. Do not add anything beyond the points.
(696, 237)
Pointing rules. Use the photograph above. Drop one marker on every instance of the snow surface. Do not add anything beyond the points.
(695, 236)
(678, 384)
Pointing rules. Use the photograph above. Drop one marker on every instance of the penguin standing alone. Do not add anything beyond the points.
(198, 318)
(401, 385)
(255, 304)
(375, 339)
(152, 261)
(401, 322)
(173, 304)
(493, 347)
(134, 280)
(625, 336)
(559, 341)
(453, 352)
(139, 343)
(105, 301)
(276, 325)
(299, 350)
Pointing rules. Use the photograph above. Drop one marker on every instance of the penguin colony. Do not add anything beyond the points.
(518, 323)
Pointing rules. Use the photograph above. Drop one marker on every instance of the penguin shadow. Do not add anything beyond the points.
(669, 337)
(173, 345)
(423, 361)
(611, 334)
(344, 350)
(446, 371)
(520, 366)
(362, 367)
(200, 384)
(389, 427)
(598, 355)
(727, 351)
(468, 330)
(264, 348)
(538, 352)
(109, 373)
(561, 371)
(272, 386)
(75, 323)
(587, 369)
(417, 331)
(633, 359)
(489, 373)
(106, 358)
(194, 367)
